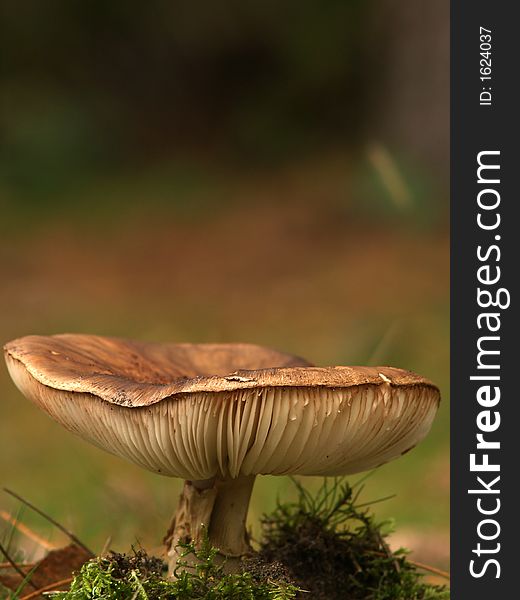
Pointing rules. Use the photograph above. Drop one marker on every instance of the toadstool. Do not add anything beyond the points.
(217, 415)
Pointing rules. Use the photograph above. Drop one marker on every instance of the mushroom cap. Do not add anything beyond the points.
(222, 410)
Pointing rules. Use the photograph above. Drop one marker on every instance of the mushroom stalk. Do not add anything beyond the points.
(220, 506)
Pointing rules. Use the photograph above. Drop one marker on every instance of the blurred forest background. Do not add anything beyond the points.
(265, 172)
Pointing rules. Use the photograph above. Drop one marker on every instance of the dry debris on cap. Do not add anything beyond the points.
(135, 373)
(223, 410)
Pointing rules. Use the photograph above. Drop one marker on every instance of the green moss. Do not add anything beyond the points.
(325, 546)
(139, 577)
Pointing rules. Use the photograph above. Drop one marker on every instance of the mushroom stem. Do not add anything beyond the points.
(220, 506)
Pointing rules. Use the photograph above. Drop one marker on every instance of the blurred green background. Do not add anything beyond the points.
(214, 172)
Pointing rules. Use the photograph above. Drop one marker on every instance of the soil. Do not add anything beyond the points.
(316, 560)
(123, 564)
(262, 570)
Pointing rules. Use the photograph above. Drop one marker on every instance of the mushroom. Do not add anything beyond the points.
(217, 415)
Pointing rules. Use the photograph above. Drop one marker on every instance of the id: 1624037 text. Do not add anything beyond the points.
(486, 96)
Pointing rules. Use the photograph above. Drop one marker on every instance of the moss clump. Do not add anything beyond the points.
(140, 577)
(322, 547)
(333, 548)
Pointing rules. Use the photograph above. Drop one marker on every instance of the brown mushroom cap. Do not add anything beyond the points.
(211, 410)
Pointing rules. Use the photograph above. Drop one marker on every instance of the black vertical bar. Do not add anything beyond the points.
(480, 123)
